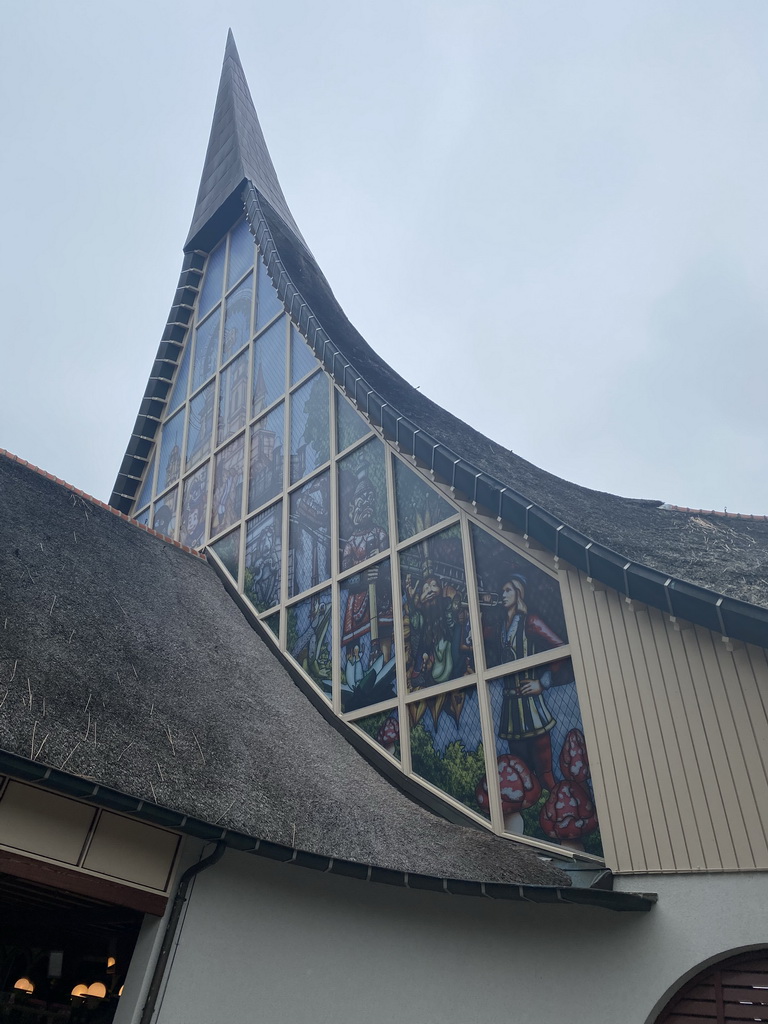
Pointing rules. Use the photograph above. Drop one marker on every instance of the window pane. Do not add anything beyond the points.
(228, 550)
(237, 319)
(520, 605)
(302, 359)
(166, 513)
(200, 425)
(438, 636)
(181, 381)
(206, 350)
(266, 477)
(419, 506)
(350, 425)
(241, 251)
(228, 486)
(310, 638)
(268, 367)
(384, 728)
(146, 487)
(210, 293)
(143, 517)
(233, 394)
(170, 452)
(268, 305)
(310, 427)
(447, 746)
(363, 530)
(193, 508)
(263, 549)
(309, 558)
(367, 644)
(272, 622)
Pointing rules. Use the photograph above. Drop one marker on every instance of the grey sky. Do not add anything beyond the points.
(550, 216)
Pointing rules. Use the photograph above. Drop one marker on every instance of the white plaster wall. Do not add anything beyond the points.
(277, 944)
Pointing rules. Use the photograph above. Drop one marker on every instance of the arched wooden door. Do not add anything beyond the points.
(731, 992)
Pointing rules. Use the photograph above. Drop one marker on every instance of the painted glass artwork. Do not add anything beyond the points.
(146, 487)
(237, 319)
(419, 506)
(233, 398)
(309, 555)
(181, 380)
(228, 485)
(193, 508)
(302, 359)
(170, 452)
(165, 513)
(272, 622)
(210, 293)
(520, 605)
(263, 547)
(310, 427)
(268, 304)
(206, 349)
(200, 425)
(546, 788)
(350, 425)
(228, 550)
(363, 523)
(266, 476)
(143, 517)
(268, 367)
(438, 637)
(384, 728)
(241, 252)
(367, 638)
(447, 746)
(310, 638)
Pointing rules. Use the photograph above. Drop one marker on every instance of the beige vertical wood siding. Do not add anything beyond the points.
(677, 731)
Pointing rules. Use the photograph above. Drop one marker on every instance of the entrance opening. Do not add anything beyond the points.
(731, 992)
(54, 943)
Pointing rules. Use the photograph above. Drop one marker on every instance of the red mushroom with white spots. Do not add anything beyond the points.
(569, 815)
(574, 763)
(389, 734)
(520, 789)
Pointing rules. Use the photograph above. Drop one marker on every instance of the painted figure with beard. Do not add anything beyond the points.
(433, 626)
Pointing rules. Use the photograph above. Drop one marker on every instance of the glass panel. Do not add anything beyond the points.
(309, 557)
(233, 395)
(438, 636)
(272, 622)
(200, 425)
(268, 304)
(384, 728)
(266, 478)
(363, 504)
(367, 646)
(302, 359)
(268, 367)
(237, 319)
(447, 747)
(350, 425)
(228, 550)
(228, 486)
(170, 452)
(263, 547)
(310, 426)
(546, 787)
(520, 605)
(210, 293)
(419, 506)
(181, 380)
(241, 251)
(206, 350)
(310, 638)
(146, 488)
(165, 513)
(193, 508)
(143, 517)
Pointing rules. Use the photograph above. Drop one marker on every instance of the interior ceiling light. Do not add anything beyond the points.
(25, 985)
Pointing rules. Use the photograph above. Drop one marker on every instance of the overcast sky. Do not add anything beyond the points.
(550, 216)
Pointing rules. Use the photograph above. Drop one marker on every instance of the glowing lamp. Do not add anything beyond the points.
(25, 985)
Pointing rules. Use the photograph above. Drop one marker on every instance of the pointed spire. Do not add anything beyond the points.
(236, 151)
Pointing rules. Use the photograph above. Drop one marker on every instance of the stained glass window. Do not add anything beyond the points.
(228, 550)
(181, 381)
(228, 486)
(266, 475)
(350, 425)
(309, 556)
(363, 524)
(263, 547)
(310, 427)
(165, 518)
(368, 669)
(146, 487)
(200, 425)
(241, 252)
(193, 508)
(272, 622)
(310, 638)
(237, 319)
(206, 350)
(268, 367)
(170, 452)
(233, 398)
(210, 293)
(302, 359)
(384, 728)
(419, 506)
(268, 304)
(143, 517)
